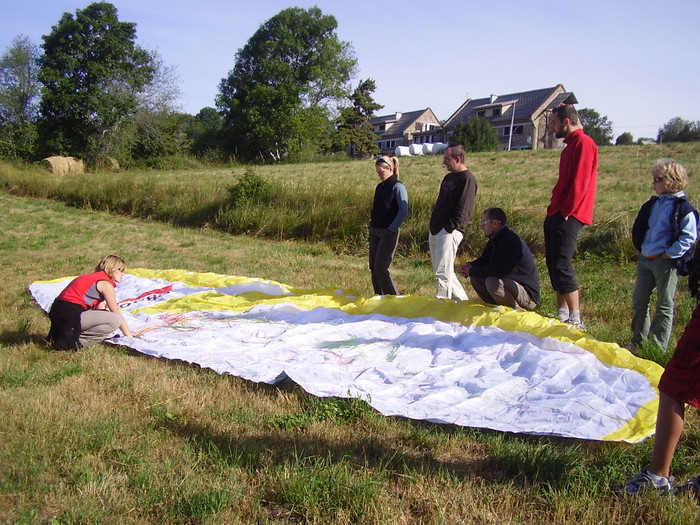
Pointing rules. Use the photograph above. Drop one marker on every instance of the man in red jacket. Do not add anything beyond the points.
(570, 209)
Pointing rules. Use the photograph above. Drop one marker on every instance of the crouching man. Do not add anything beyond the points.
(505, 273)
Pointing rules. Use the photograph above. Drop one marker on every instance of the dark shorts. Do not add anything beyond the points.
(560, 238)
(681, 378)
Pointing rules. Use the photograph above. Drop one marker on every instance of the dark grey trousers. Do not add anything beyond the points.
(382, 246)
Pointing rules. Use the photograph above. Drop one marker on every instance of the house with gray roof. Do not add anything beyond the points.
(399, 129)
(521, 119)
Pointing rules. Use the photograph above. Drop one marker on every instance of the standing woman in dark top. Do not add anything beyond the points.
(388, 212)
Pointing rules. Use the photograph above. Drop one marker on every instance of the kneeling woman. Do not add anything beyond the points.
(86, 311)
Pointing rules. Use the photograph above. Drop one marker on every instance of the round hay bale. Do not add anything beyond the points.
(75, 166)
(56, 165)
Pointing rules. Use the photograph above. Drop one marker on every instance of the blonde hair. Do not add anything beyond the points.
(109, 264)
(673, 172)
(393, 162)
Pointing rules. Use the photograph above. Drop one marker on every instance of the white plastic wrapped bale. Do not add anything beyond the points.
(439, 147)
(428, 148)
(402, 151)
(416, 149)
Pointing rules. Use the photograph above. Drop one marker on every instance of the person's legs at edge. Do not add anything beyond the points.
(669, 426)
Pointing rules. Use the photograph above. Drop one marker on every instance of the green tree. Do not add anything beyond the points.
(204, 131)
(286, 81)
(598, 127)
(355, 133)
(160, 128)
(475, 134)
(19, 95)
(625, 139)
(91, 73)
(155, 128)
(679, 130)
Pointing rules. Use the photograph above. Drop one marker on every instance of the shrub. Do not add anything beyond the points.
(250, 188)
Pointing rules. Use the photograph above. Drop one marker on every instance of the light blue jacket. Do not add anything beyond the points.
(659, 237)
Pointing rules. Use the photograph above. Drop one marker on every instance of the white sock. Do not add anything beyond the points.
(562, 314)
(575, 316)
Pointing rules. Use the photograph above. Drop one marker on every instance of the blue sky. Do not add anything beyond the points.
(638, 63)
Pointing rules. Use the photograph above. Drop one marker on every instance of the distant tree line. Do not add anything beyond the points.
(679, 130)
(599, 128)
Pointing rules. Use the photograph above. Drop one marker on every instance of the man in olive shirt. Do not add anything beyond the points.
(451, 213)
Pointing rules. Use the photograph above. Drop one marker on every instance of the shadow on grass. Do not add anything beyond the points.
(512, 459)
(17, 337)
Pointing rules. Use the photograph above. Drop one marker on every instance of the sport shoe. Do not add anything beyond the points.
(692, 486)
(642, 482)
(576, 324)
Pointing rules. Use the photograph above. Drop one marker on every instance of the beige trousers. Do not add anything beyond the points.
(97, 325)
(502, 291)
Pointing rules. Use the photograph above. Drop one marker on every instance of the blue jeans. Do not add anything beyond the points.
(653, 273)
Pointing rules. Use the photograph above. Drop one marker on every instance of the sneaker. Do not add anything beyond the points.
(576, 324)
(692, 486)
(642, 482)
(631, 347)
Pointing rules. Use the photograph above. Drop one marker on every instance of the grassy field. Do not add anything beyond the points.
(106, 435)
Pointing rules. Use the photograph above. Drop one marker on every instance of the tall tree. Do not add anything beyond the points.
(19, 92)
(354, 129)
(475, 134)
(91, 72)
(679, 130)
(292, 72)
(598, 127)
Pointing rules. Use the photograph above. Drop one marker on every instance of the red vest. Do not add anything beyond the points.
(83, 290)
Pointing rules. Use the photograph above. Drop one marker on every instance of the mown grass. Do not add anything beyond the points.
(105, 435)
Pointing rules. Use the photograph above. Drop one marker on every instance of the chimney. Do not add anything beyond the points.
(493, 98)
(398, 115)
